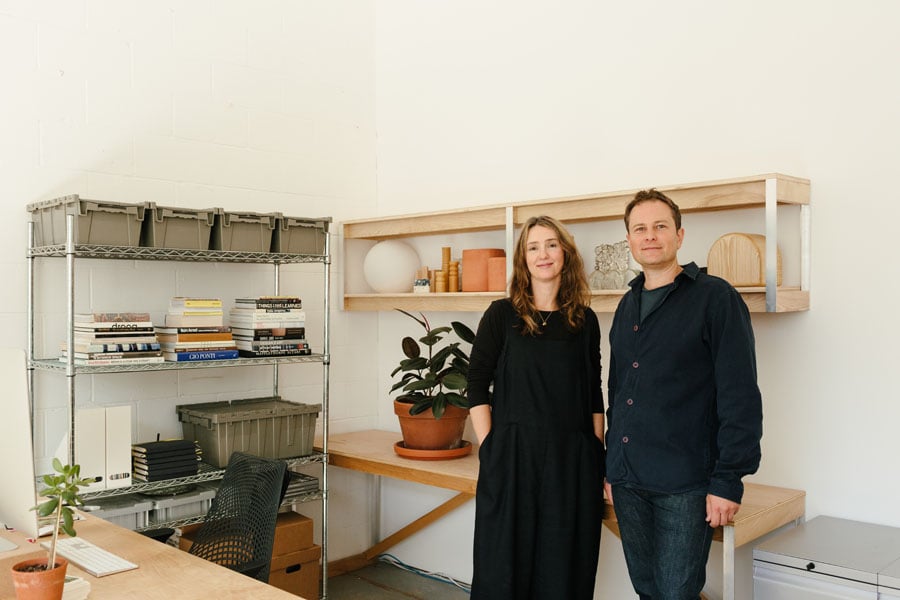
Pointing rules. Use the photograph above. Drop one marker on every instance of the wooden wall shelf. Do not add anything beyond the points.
(764, 192)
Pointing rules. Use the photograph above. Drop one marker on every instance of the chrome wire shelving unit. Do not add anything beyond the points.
(70, 251)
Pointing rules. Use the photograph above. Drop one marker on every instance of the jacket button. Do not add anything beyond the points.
(635, 327)
(634, 364)
(625, 440)
(629, 402)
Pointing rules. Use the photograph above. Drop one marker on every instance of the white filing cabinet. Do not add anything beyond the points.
(828, 559)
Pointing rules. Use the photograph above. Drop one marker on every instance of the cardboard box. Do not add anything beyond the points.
(297, 572)
(293, 533)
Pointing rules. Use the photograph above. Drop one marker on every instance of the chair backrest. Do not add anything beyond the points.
(239, 528)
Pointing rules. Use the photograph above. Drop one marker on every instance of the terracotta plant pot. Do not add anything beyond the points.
(424, 432)
(39, 585)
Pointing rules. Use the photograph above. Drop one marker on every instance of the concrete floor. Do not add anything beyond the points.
(384, 581)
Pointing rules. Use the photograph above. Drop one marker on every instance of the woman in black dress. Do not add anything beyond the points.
(539, 501)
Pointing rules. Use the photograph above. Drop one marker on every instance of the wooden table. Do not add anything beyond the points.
(163, 572)
(764, 508)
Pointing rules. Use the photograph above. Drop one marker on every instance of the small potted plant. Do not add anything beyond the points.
(432, 407)
(37, 578)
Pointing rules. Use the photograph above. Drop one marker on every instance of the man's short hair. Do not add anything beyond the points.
(653, 195)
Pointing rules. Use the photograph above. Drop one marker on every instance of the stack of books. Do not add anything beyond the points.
(269, 326)
(75, 588)
(166, 459)
(195, 331)
(113, 338)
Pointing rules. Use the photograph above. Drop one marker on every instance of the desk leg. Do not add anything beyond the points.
(728, 562)
(419, 524)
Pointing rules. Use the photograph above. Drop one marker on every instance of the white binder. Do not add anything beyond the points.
(118, 446)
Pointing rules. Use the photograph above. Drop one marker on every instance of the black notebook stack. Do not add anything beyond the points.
(166, 459)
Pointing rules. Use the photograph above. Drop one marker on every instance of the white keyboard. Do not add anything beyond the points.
(93, 559)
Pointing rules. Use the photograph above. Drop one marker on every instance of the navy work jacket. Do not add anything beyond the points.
(685, 413)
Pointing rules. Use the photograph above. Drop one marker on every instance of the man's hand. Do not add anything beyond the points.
(719, 511)
(608, 489)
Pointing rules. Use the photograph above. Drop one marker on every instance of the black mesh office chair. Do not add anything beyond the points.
(239, 527)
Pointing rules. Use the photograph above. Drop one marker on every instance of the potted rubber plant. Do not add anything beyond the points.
(432, 406)
(43, 579)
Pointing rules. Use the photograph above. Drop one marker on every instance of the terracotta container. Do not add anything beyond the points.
(424, 432)
(475, 268)
(39, 585)
(496, 274)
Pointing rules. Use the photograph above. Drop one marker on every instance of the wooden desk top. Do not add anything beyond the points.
(163, 572)
(764, 507)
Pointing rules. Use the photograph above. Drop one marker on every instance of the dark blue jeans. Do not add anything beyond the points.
(666, 541)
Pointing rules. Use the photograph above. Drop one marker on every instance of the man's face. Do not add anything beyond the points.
(652, 236)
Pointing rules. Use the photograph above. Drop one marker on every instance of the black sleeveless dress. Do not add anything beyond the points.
(539, 500)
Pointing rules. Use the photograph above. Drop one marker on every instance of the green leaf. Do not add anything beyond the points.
(421, 406)
(413, 317)
(457, 400)
(410, 347)
(462, 330)
(47, 508)
(423, 384)
(68, 523)
(413, 364)
(439, 405)
(454, 381)
(57, 465)
(434, 336)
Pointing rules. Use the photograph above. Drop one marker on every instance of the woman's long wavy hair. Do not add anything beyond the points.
(574, 292)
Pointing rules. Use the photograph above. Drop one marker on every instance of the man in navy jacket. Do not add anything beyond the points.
(685, 413)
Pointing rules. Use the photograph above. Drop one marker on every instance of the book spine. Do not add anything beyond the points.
(126, 347)
(99, 362)
(263, 353)
(270, 332)
(115, 326)
(201, 355)
(271, 346)
(111, 317)
(269, 306)
(265, 310)
(185, 346)
(267, 323)
(196, 329)
(179, 302)
(130, 354)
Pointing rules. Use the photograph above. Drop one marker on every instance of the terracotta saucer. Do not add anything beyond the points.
(413, 453)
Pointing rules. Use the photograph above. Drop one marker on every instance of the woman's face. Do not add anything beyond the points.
(543, 254)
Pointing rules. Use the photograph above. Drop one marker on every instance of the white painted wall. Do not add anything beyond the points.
(275, 106)
(490, 102)
(247, 105)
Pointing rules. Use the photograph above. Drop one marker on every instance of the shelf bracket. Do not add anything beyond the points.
(771, 244)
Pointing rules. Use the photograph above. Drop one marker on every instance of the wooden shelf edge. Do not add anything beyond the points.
(724, 194)
(788, 299)
(462, 301)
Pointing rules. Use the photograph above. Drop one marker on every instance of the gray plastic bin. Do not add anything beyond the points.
(97, 222)
(172, 227)
(193, 503)
(295, 235)
(244, 232)
(130, 511)
(268, 427)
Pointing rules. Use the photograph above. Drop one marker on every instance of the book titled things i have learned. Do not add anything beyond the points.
(262, 302)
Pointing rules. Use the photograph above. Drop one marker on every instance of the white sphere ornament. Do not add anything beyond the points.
(390, 267)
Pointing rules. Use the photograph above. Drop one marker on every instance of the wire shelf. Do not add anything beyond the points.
(183, 254)
(52, 364)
